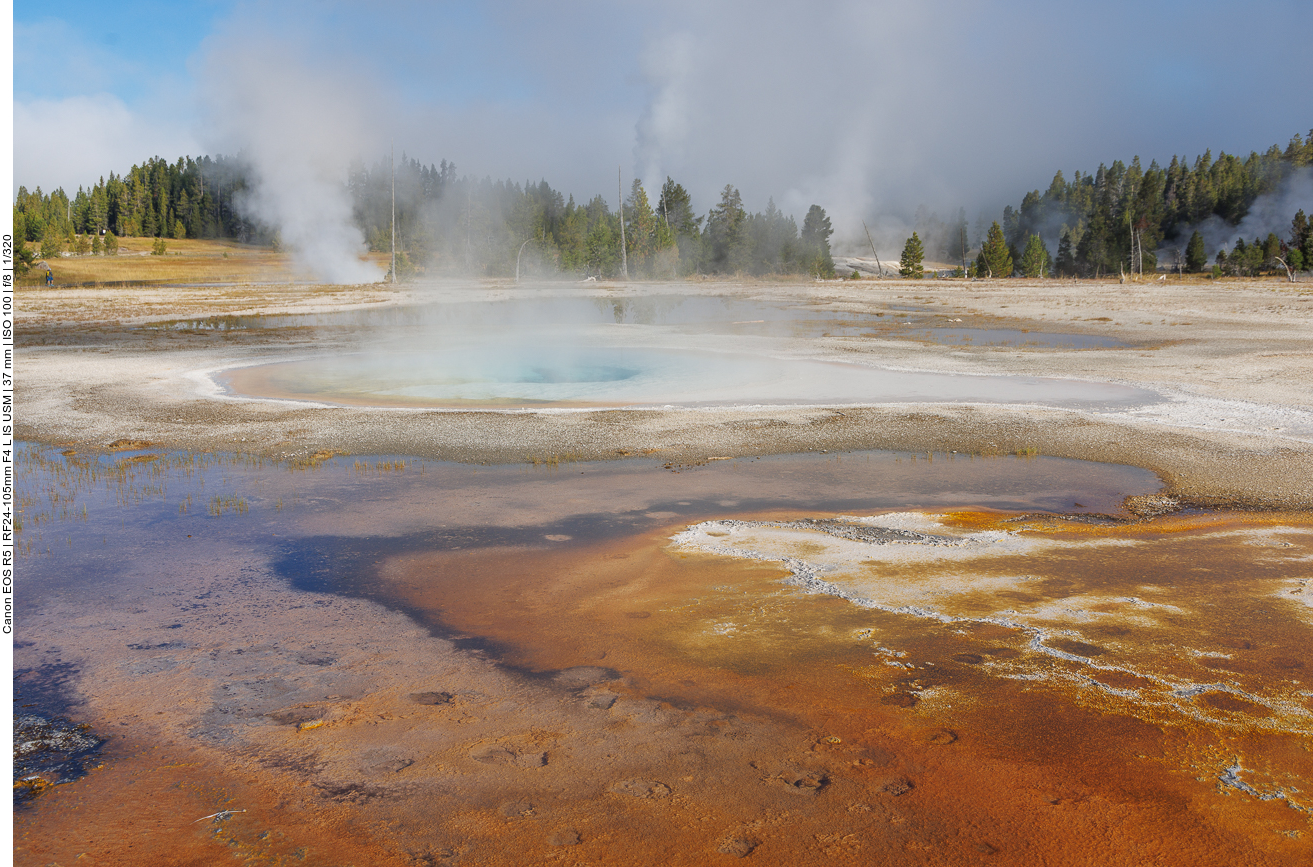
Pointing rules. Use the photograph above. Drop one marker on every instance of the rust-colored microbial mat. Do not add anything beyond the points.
(1034, 692)
(366, 664)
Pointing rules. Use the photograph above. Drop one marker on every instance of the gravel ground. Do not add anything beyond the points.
(1233, 363)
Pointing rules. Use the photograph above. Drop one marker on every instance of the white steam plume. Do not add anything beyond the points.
(868, 108)
(663, 129)
(871, 108)
(1270, 212)
(805, 104)
(296, 124)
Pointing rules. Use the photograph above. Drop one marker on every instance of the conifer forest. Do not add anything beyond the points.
(1119, 218)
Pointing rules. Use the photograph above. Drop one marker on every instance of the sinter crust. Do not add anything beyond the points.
(1232, 360)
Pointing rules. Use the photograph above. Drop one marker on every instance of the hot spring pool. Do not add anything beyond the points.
(560, 375)
(545, 351)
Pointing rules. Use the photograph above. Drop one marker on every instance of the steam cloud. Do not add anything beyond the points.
(297, 125)
(866, 107)
(1272, 212)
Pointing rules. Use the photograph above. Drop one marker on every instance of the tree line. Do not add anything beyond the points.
(1114, 220)
(192, 198)
(1117, 220)
(444, 222)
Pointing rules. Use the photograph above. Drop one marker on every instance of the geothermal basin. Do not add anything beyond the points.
(784, 606)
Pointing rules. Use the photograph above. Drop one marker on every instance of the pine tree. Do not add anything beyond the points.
(52, 245)
(640, 228)
(994, 260)
(1271, 249)
(602, 247)
(815, 243)
(725, 236)
(909, 265)
(1065, 264)
(1035, 261)
(676, 210)
(1301, 234)
(1196, 256)
(23, 256)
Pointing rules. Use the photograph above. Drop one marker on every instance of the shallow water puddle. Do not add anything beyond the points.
(388, 662)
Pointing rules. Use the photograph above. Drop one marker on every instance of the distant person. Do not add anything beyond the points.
(50, 276)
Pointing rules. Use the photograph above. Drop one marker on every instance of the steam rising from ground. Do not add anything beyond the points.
(872, 108)
(868, 108)
(1272, 212)
(297, 124)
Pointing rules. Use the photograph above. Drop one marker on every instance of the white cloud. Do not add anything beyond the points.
(866, 107)
(74, 141)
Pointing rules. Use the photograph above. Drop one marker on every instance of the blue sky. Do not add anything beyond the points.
(870, 107)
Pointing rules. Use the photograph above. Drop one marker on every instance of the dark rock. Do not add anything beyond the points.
(431, 698)
(295, 716)
(48, 752)
(803, 782)
(739, 847)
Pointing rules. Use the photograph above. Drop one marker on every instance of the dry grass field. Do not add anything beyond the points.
(185, 261)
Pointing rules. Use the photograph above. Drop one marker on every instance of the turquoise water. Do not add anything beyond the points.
(596, 375)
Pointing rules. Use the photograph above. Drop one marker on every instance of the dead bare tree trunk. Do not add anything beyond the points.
(1289, 272)
(878, 266)
(392, 161)
(624, 259)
